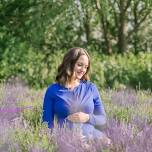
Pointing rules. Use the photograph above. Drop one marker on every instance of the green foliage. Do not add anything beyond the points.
(33, 139)
(129, 70)
(54, 25)
(13, 61)
(39, 70)
(33, 115)
(121, 114)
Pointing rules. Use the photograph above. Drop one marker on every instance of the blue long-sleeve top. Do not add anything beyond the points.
(60, 101)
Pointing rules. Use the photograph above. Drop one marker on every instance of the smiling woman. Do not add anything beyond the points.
(75, 66)
(74, 99)
(80, 67)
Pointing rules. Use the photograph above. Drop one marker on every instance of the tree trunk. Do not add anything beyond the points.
(87, 26)
(122, 33)
(104, 27)
(108, 48)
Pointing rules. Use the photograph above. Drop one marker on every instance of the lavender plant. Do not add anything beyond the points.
(12, 98)
(130, 137)
(126, 97)
(22, 130)
(72, 140)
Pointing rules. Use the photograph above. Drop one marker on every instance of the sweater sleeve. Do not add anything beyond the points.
(48, 110)
(98, 117)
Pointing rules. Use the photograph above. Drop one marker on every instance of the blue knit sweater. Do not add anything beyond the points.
(60, 102)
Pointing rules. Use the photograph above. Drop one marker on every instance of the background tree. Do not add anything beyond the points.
(34, 32)
(122, 21)
(140, 20)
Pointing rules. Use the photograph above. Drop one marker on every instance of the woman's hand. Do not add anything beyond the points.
(78, 117)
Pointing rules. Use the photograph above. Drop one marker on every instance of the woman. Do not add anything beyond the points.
(73, 98)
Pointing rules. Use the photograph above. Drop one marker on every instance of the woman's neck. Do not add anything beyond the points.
(73, 83)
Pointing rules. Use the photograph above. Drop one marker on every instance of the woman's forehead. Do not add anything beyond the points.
(83, 59)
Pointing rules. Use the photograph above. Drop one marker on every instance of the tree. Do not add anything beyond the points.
(140, 21)
(101, 10)
(122, 20)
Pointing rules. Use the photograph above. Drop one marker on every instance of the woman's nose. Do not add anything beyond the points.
(83, 69)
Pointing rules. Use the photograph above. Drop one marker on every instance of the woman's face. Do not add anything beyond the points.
(80, 67)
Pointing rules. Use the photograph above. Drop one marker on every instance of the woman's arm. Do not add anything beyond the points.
(99, 116)
(48, 110)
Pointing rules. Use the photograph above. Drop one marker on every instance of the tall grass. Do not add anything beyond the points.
(129, 124)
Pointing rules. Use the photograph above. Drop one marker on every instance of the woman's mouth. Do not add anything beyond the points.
(80, 73)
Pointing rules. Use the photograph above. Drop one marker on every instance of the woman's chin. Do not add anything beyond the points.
(80, 76)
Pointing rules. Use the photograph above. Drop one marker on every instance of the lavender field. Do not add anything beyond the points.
(129, 124)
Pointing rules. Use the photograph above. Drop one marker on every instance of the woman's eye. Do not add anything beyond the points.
(81, 65)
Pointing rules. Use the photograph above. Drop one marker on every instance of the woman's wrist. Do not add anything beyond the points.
(88, 117)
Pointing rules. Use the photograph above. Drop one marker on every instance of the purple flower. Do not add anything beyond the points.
(130, 137)
(125, 97)
(12, 98)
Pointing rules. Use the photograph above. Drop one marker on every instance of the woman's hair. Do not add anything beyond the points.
(66, 68)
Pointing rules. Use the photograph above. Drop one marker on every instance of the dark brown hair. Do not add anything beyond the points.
(65, 69)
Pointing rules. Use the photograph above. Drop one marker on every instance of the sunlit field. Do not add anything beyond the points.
(129, 124)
